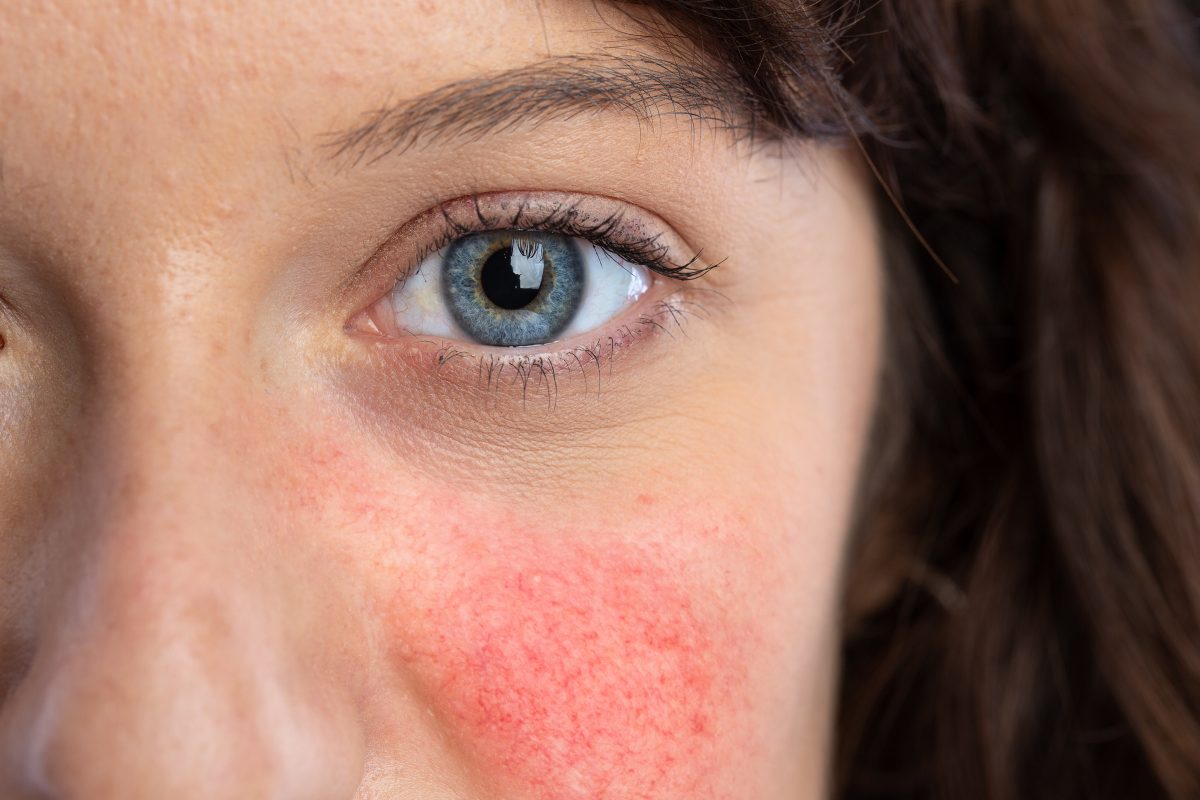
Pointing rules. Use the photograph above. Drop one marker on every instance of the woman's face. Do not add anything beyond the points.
(269, 528)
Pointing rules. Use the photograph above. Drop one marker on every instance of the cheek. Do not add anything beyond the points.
(646, 650)
(581, 669)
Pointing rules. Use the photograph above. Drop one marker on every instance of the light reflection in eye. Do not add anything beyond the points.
(512, 289)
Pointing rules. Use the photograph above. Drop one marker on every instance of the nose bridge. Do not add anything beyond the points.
(167, 461)
(168, 450)
(157, 513)
(163, 669)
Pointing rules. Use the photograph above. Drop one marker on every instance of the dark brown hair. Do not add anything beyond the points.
(1023, 602)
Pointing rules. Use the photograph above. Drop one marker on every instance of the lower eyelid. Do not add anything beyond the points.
(540, 376)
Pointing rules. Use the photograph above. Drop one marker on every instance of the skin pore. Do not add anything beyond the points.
(253, 549)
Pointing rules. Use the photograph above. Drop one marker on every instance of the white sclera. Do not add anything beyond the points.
(611, 285)
(418, 302)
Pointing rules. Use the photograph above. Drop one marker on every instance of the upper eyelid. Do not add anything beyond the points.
(411, 243)
(570, 218)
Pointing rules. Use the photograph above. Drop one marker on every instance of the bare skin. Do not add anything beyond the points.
(253, 546)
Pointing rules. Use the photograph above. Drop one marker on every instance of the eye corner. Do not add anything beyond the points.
(377, 321)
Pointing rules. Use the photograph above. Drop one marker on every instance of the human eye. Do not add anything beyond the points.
(512, 274)
(512, 288)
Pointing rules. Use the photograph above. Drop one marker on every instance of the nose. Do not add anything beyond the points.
(174, 657)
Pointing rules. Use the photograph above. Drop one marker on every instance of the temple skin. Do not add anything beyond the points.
(246, 552)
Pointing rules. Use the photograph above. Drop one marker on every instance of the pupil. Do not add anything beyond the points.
(503, 286)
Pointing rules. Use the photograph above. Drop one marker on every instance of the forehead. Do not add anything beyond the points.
(191, 57)
(147, 96)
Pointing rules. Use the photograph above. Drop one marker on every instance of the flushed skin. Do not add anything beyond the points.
(250, 550)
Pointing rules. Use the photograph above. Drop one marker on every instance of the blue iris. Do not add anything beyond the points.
(496, 295)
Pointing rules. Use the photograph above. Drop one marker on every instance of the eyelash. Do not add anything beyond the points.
(566, 220)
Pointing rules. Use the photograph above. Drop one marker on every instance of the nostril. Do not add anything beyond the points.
(21, 776)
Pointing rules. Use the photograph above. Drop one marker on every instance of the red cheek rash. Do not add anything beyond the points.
(585, 670)
(627, 662)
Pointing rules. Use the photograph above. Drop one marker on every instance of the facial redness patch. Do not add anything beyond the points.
(585, 670)
(636, 659)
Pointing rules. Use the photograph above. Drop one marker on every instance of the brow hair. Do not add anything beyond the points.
(555, 88)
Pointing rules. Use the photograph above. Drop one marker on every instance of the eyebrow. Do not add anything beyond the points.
(555, 88)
